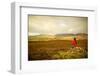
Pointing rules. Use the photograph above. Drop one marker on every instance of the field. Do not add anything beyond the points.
(56, 49)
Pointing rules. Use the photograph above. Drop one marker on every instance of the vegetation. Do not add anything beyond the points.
(56, 49)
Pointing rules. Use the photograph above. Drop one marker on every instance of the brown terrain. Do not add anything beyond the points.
(48, 47)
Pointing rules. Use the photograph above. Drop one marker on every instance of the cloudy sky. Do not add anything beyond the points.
(57, 25)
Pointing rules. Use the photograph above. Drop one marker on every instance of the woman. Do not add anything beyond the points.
(74, 42)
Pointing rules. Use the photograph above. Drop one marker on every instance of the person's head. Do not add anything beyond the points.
(74, 38)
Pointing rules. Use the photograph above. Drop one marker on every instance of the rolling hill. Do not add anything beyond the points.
(46, 37)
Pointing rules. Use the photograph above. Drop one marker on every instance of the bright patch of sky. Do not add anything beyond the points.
(57, 25)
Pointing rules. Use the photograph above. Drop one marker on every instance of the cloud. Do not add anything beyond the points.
(56, 25)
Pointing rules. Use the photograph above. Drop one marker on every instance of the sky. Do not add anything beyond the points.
(57, 25)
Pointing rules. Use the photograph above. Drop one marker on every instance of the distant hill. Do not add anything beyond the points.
(71, 34)
(46, 37)
(64, 34)
(42, 37)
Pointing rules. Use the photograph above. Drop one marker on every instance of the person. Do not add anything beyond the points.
(74, 42)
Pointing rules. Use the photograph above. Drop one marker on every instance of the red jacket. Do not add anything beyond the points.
(74, 43)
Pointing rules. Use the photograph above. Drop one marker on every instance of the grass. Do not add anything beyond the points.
(56, 49)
